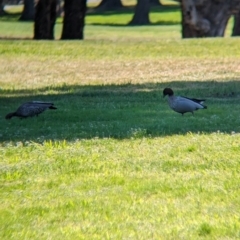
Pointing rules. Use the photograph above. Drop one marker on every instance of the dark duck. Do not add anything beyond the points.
(30, 109)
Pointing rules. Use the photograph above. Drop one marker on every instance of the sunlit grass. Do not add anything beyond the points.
(139, 188)
(113, 161)
(124, 19)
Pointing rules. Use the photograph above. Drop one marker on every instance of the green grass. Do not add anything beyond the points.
(138, 188)
(113, 161)
(164, 15)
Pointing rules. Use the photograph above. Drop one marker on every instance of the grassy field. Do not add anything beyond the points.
(113, 161)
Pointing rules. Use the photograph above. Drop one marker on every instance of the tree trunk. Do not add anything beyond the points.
(45, 18)
(28, 11)
(74, 15)
(155, 3)
(109, 5)
(141, 15)
(1, 8)
(236, 26)
(206, 18)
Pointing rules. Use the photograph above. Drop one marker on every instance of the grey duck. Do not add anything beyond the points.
(183, 104)
(30, 109)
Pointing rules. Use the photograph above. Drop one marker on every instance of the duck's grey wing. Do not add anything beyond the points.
(200, 101)
(187, 105)
(40, 102)
(31, 109)
(45, 105)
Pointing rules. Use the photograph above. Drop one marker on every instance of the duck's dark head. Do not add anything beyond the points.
(168, 91)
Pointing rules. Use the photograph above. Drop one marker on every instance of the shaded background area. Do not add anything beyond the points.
(120, 111)
(97, 21)
(159, 15)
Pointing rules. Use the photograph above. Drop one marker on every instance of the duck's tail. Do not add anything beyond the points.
(10, 115)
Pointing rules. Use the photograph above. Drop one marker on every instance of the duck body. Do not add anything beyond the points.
(30, 109)
(183, 104)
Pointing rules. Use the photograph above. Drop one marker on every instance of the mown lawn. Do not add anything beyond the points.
(113, 161)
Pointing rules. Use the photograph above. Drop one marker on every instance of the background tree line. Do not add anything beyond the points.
(202, 18)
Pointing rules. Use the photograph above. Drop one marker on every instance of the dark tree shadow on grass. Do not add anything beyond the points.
(10, 17)
(120, 111)
(14, 17)
(130, 10)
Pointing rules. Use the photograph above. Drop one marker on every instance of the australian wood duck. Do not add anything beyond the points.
(183, 104)
(30, 109)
